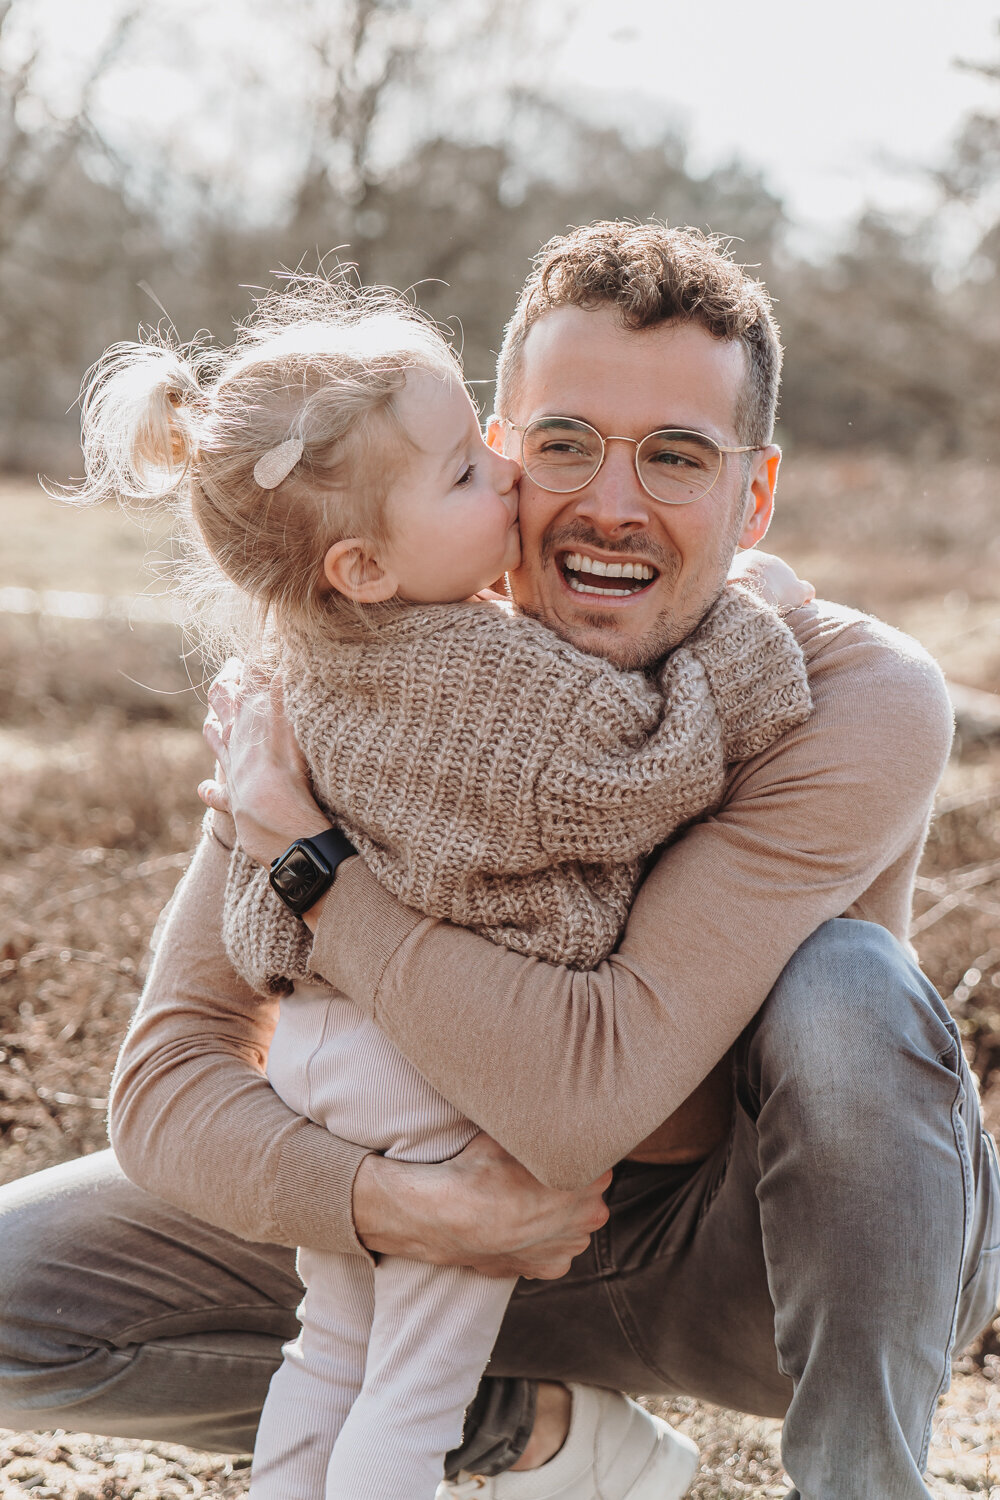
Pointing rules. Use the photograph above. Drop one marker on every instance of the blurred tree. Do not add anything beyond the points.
(970, 178)
(424, 141)
(874, 354)
(394, 151)
(460, 220)
(70, 245)
(895, 341)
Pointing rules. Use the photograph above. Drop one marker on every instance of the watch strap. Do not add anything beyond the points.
(332, 845)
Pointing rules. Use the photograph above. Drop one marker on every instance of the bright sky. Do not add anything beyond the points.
(830, 99)
(840, 105)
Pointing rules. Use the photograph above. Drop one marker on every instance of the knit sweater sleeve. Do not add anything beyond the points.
(612, 793)
(264, 942)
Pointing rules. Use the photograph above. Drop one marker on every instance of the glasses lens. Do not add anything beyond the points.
(560, 454)
(678, 467)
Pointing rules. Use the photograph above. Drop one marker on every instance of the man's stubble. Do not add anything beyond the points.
(671, 627)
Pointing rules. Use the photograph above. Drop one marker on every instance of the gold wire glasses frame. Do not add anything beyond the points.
(675, 466)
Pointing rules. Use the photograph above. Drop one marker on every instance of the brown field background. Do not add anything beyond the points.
(99, 757)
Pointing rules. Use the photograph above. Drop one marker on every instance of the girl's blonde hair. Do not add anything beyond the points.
(318, 362)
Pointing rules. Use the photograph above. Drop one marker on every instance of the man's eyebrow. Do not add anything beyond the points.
(553, 419)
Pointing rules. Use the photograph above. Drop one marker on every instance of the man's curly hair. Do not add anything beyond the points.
(653, 274)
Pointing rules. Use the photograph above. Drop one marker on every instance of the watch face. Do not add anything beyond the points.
(297, 875)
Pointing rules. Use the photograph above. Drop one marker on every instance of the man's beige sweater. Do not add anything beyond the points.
(499, 778)
(569, 1071)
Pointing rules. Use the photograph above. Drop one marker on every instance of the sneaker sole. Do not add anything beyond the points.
(670, 1467)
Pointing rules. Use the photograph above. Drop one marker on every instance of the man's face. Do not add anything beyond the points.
(583, 364)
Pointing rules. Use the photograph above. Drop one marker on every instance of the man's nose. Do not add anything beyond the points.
(614, 501)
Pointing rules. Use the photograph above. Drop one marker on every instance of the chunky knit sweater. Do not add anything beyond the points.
(492, 775)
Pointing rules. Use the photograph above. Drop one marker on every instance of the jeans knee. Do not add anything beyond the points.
(26, 1338)
(850, 1018)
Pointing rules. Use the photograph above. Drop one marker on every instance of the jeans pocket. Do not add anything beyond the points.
(981, 1293)
(980, 1299)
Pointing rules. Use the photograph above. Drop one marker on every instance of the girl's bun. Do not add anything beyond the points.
(139, 411)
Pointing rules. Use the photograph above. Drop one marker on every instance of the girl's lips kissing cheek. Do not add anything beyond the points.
(593, 578)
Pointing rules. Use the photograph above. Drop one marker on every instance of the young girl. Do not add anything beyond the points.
(333, 471)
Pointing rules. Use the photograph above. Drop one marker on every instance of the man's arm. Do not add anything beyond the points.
(194, 1120)
(570, 1070)
(192, 1116)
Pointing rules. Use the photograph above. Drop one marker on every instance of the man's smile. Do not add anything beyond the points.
(605, 578)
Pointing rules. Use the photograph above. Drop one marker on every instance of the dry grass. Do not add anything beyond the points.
(100, 754)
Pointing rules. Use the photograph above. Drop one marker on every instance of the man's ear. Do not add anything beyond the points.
(495, 433)
(759, 503)
(353, 570)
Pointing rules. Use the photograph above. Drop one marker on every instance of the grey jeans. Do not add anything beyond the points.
(822, 1266)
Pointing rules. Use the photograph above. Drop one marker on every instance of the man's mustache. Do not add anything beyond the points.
(577, 534)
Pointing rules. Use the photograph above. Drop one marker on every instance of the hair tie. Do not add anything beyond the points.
(277, 463)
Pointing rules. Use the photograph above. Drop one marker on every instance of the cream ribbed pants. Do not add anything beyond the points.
(372, 1393)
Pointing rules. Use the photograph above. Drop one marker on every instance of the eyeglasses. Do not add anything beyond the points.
(674, 466)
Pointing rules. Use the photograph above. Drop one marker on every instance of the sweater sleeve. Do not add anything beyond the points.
(191, 1069)
(736, 684)
(266, 945)
(570, 1070)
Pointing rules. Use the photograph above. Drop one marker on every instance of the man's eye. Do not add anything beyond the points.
(672, 458)
(467, 476)
(560, 446)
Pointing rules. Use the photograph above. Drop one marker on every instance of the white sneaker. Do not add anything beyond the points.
(613, 1451)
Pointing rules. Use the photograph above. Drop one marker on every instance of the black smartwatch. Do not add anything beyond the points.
(307, 867)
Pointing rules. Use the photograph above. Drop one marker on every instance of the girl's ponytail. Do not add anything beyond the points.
(139, 424)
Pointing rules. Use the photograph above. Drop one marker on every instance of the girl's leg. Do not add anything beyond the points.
(433, 1331)
(319, 1380)
(433, 1328)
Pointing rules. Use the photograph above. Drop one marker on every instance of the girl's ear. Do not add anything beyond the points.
(352, 568)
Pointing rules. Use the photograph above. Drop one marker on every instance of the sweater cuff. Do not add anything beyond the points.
(221, 828)
(360, 928)
(756, 672)
(313, 1192)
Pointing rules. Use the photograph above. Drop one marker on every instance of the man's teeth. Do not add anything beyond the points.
(581, 564)
(575, 562)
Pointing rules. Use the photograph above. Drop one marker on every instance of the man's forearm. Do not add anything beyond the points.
(192, 1069)
(700, 1124)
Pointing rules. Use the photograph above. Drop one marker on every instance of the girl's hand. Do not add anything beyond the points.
(771, 578)
(261, 780)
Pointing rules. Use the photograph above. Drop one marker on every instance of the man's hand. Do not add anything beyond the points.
(480, 1209)
(771, 578)
(261, 780)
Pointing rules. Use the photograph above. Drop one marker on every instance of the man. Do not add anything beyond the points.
(804, 1219)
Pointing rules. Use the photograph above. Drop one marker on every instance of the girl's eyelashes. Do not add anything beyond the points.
(467, 475)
